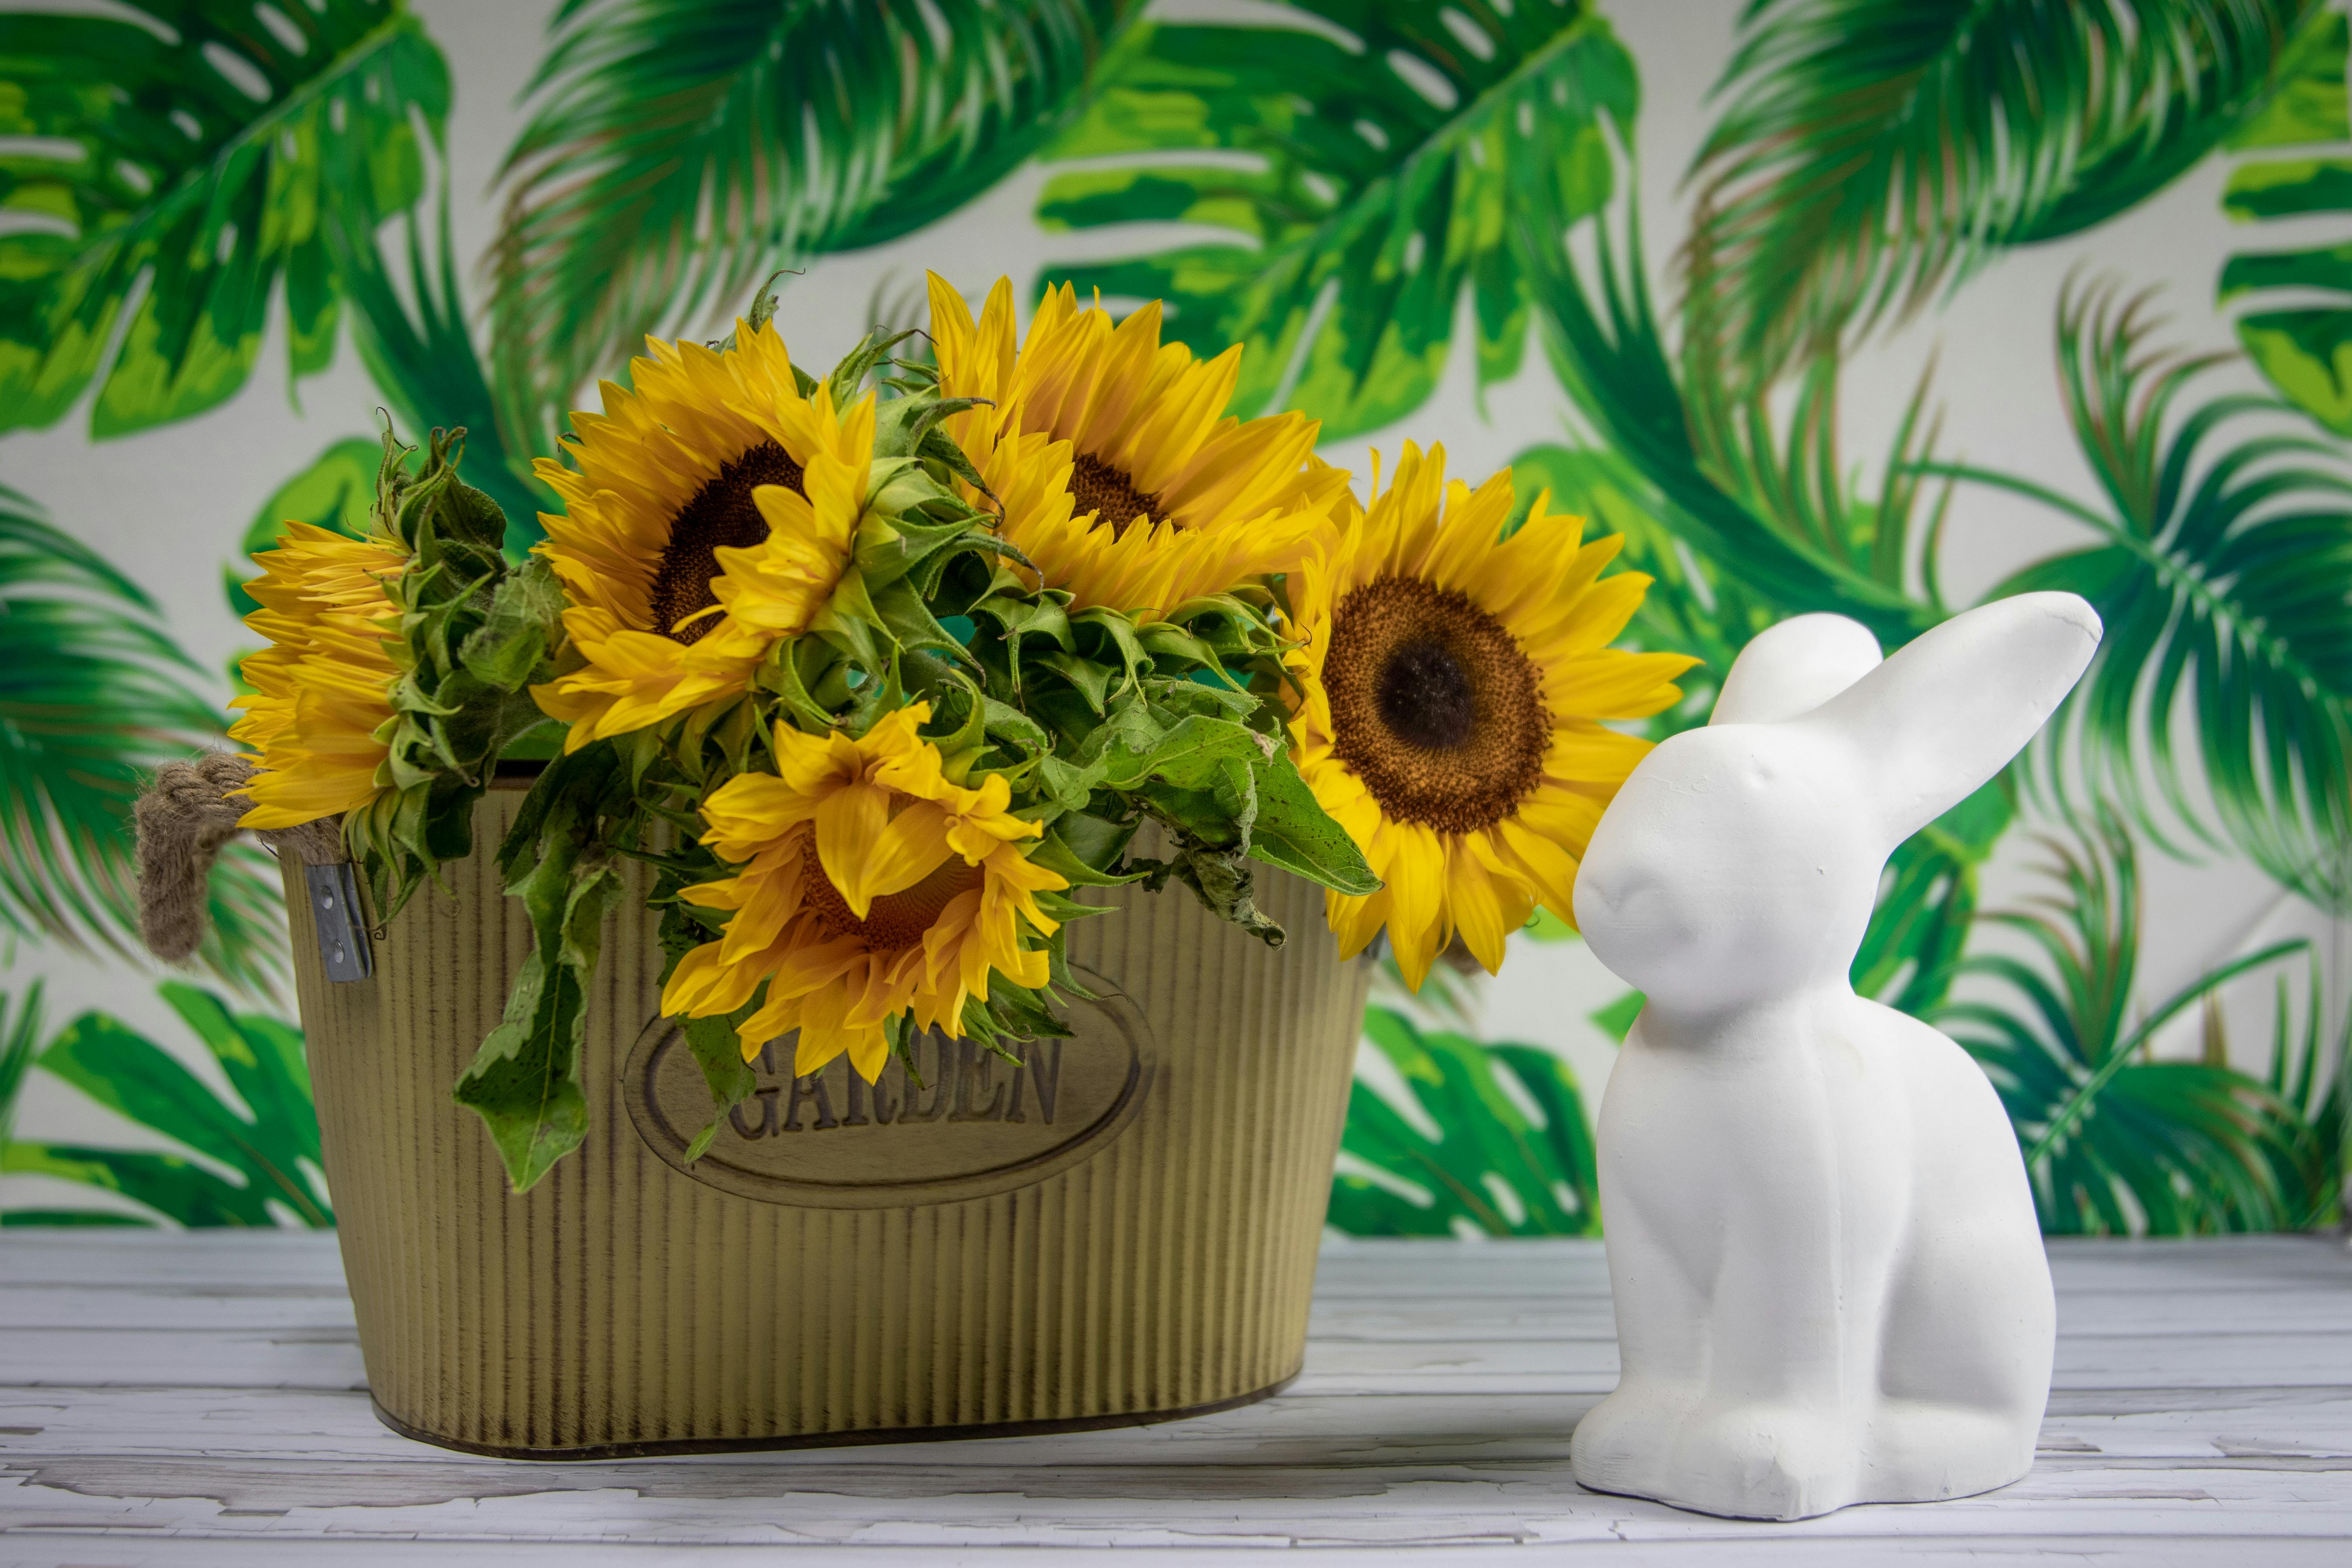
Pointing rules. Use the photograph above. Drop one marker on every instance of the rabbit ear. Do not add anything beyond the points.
(1950, 708)
(1793, 668)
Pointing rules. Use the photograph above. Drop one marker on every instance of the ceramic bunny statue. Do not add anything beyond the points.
(1830, 1285)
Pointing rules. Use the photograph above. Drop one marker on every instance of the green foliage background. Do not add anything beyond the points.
(1381, 201)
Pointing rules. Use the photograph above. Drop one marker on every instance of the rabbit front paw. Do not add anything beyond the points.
(1763, 1461)
(1624, 1443)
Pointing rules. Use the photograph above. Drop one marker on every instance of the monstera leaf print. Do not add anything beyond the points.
(1872, 150)
(1499, 1144)
(337, 490)
(268, 1143)
(680, 149)
(2299, 333)
(1755, 499)
(212, 147)
(20, 1041)
(1355, 155)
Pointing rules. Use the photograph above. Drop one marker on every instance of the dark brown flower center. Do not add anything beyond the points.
(720, 516)
(892, 922)
(1434, 705)
(1110, 494)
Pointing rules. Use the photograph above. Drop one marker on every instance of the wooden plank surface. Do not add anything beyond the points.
(198, 1400)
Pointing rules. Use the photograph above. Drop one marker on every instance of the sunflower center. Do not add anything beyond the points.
(1423, 697)
(892, 922)
(720, 516)
(1110, 494)
(1434, 705)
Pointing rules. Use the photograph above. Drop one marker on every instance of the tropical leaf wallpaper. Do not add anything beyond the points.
(1880, 307)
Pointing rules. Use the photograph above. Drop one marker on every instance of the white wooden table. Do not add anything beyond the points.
(175, 1399)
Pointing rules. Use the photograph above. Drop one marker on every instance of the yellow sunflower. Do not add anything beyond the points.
(1143, 491)
(706, 514)
(322, 689)
(869, 884)
(1451, 690)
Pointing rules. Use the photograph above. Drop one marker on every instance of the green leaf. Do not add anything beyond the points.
(1222, 880)
(526, 608)
(1502, 1164)
(717, 1050)
(1353, 155)
(94, 697)
(817, 127)
(1089, 679)
(1292, 831)
(1190, 755)
(212, 156)
(1872, 152)
(524, 1081)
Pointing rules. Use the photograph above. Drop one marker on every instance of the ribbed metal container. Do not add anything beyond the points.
(1123, 1230)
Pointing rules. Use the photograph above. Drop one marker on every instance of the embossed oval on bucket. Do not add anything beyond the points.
(976, 1125)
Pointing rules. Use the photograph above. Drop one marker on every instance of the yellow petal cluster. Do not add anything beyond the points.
(869, 884)
(322, 688)
(1139, 490)
(1450, 714)
(708, 513)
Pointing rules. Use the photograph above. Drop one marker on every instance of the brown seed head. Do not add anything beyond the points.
(721, 515)
(1434, 705)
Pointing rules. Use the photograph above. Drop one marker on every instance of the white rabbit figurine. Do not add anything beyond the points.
(1830, 1285)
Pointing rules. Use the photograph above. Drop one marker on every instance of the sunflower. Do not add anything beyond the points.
(1451, 694)
(1168, 496)
(322, 689)
(869, 885)
(706, 514)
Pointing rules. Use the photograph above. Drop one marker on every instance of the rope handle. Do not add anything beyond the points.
(185, 817)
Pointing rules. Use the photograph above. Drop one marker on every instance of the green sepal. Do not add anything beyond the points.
(509, 645)
(1067, 787)
(788, 671)
(842, 382)
(909, 619)
(1118, 630)
(473, 636)
(876, 700)
(1089, 679)
(1055, 853)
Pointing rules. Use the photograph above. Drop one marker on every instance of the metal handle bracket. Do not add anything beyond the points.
(343, 945)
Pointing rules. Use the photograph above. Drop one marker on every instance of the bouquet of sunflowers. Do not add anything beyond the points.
(874, 673)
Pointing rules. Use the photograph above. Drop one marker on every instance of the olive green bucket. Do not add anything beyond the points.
(1123, 1230)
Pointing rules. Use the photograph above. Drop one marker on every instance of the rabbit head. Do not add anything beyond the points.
(1740, 861)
